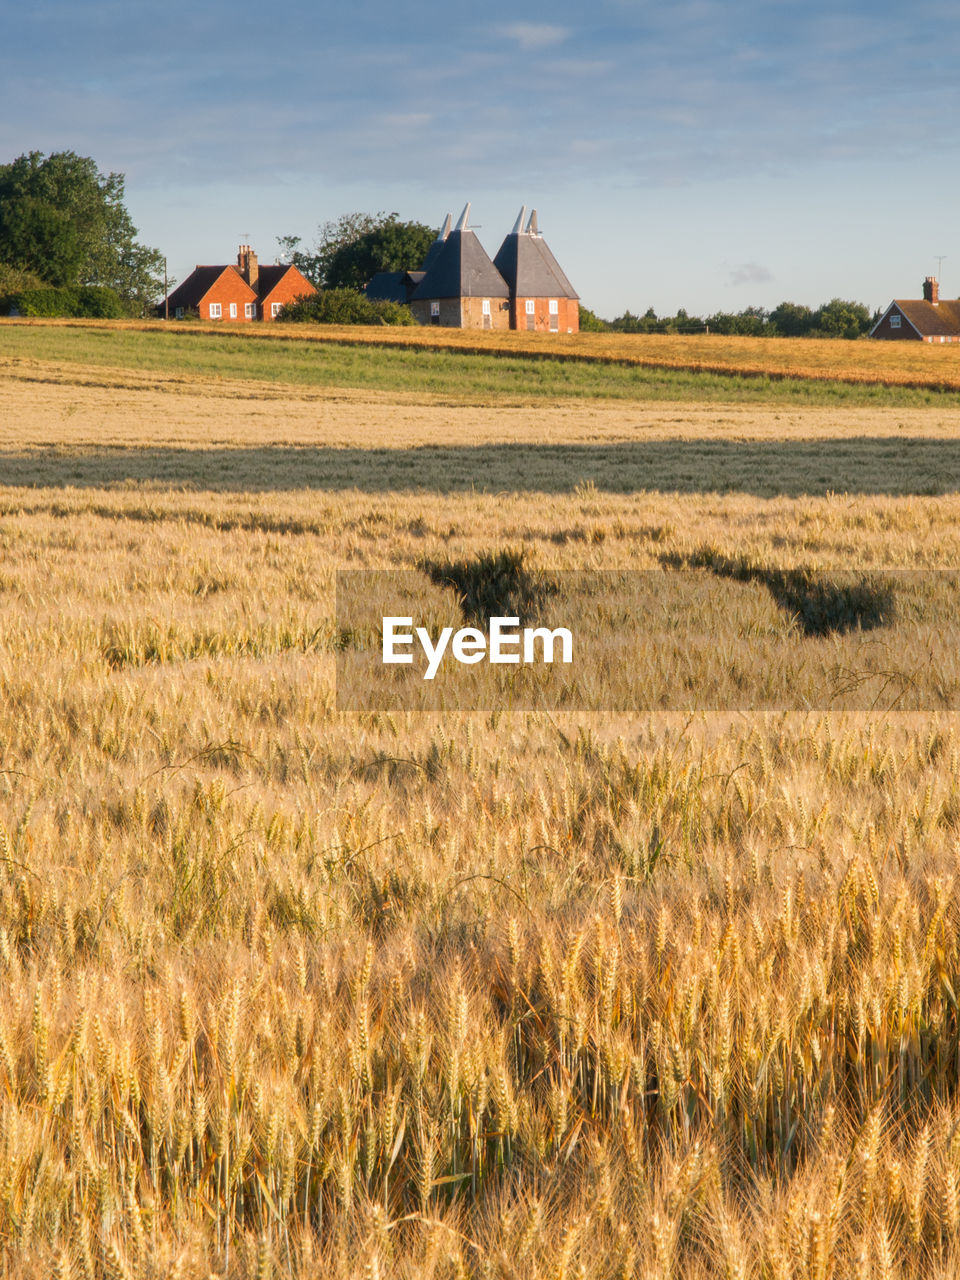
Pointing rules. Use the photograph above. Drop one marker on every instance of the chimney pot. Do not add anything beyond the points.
(248, 266)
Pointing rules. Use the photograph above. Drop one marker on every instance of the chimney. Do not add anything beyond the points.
(249, 268)
(931, 290)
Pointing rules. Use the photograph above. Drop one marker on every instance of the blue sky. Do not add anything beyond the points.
(703, 154)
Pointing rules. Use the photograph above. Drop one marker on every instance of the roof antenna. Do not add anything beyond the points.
(533, 227)
(518, 225)
(463, 219)
(939, 257)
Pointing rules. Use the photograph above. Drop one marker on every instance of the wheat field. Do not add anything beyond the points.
(289, 991)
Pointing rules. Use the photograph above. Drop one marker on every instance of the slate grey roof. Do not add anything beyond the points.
(461, 269)
(437, 245)
(388, 286)
(530, 269)
(393, 286)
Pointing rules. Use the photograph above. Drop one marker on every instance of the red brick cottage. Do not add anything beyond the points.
(920, 320)
(246, 291)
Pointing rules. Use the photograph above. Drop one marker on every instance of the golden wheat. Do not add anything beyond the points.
(287, 991)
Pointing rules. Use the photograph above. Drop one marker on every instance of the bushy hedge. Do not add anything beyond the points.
(87, 301)
(344, 306)
(16, 279)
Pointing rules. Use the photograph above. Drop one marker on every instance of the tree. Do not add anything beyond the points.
(66, 222)
(791, 319)
(629, 323)
(751, 322)
(351, 250)
(14, 279)
(840, 319)
(35, 236)
(590, 322)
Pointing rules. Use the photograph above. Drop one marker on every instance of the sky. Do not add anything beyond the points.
(702, 154)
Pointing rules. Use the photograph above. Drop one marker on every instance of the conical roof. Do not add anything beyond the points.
(529, 268)
(461, 269)
(437, 245)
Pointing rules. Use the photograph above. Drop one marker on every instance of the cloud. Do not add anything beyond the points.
(407, 119)
(535, 35)
(750, 273)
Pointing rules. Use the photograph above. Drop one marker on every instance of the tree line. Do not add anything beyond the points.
(837, 318)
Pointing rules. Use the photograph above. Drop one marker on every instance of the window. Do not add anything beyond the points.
(531, 317)
(894, 322)
(275, 309)
(250, 310)
(554, 315)
(179, 313)
(233, 311)
(485, 308)
(434, 312)
(215, 311)
(530, 306)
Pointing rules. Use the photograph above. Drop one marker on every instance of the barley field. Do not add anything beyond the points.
(293, 991)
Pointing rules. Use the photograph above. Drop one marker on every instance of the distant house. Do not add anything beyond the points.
(920, 320)
(246, 291)
(458, 286)
(541, 296)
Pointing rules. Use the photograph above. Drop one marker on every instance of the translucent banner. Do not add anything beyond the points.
(718, 635)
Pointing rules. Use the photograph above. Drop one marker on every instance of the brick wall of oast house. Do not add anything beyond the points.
(568, 314)
(449, 311)
(230, 287)
(905, 333)
(472, 310)
(289, 287)
(463, 313)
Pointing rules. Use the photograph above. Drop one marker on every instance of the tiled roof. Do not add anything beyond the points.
(530, 269)
(461, 269)
(438, 244)
(931, 321)
(198, 284)
(270, 276)
(393, 286)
